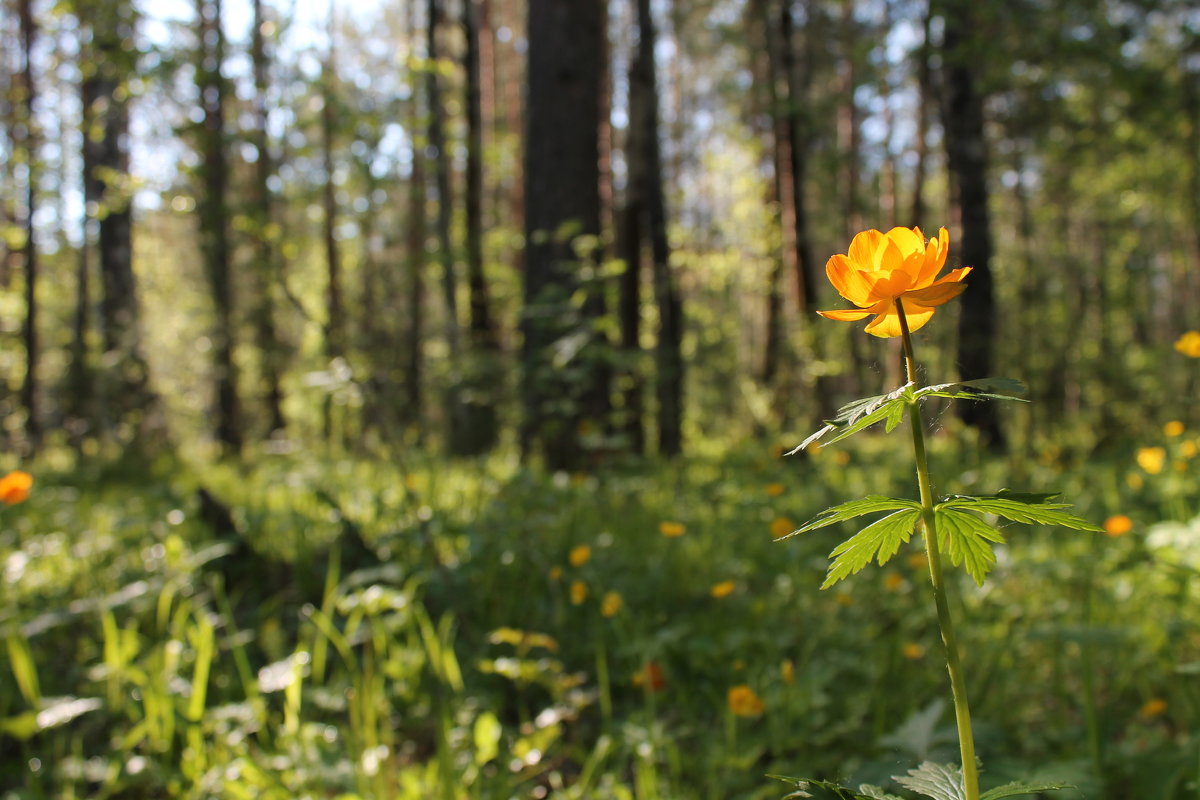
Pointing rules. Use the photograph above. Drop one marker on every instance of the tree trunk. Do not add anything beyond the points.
(916, 215)
(668, 356)
(29, 331)
(966, 153)
(214, 221)
(456, 414)
(630, 239)
(335, 326)
(266, 267)
(479, 432)
(415, 235)
(124, 392)
(562, 375)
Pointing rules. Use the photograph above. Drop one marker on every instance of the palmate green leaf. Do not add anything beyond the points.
(889, 408)
(854, 508)
(1020, 507)
(979, 389)
(967, 540)
(935, 781)
(879, 540)
(865, 792)
(854, 417)
(1018, 789)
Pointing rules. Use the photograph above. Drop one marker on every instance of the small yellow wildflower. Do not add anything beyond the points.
(722, 589)
(1118, 525)
(781, 526)
(912, 651)
(1134, 481)
(554, 573)
(841, 458)
(843, 599)
(743, 701)
(1189, 344)
(774, 489)
(580, 554)
(1188, 449)
(1173, 428)
(610, 606)
(1151, 459)
(579, 592)
(918, 561)
(14, 487)
(893, 581)
(671, 529)
(787, 671)
(1152, 708)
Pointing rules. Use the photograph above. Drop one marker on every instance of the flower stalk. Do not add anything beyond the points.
(958, 686)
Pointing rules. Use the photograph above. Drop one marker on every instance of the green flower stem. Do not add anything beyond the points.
(958, 685)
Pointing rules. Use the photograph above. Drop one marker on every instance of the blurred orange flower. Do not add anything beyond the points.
(610, 606)
(913, 651)
(671, 529)
(893, 581)
(1189, 344)
(881, 268)
(1152, 708)
(651, 677)
(787, 671)
(722, 589)
(1151, 459)
(579, 555)
(554, 573)
(14, 487)
(579, 592)
(781, 526)
(774, 489)
(1173, 428)
(743, 702)
(1118, 525)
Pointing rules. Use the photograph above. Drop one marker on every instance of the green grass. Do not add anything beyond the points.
(344, 642)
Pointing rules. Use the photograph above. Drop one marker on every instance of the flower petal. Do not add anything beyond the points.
(847, 280)
(935, 259)
(935, 295)
(846, 314)
(908, 241)
(953, 276)
(887, 324)
(864, 247)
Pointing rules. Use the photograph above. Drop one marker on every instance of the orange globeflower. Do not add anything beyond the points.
(14, 487)
(881, 268)
(1118, 525)
(744, 702)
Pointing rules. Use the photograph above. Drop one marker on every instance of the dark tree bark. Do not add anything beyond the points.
(28, 143)
(214, 221)
(456, 413)
(125, 395)
(562, 377)
(668, 357)
(916, 214)
(966, 153)
(266, 267)
(335, 325)
(415, 235)
(479, 432)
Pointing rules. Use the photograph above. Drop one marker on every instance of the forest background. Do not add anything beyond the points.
(451, 285)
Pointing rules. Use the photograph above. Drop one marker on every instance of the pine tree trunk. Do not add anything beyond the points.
(668, 355)
(29, 330)
(479, 432)
(335, 333)
(262, 214)
(415, 235)
(562, 376)
(214, 222)
(966, 153)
